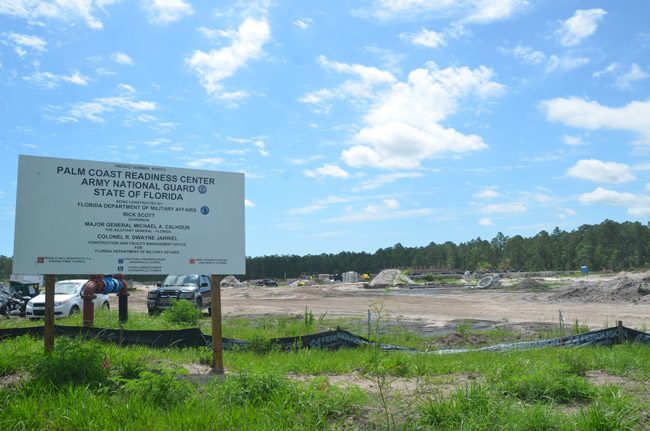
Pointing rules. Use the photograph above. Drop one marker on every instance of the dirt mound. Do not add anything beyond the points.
(390, 277)
(625, 288)
(231, 281)
(529, 284)
(303, 282)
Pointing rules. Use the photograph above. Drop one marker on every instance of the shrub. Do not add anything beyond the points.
(254, 388)
(260, 344)
(73, 362)
(545, 386)
(472, 407)
(612, 411)
(162, 390)
(183, 313)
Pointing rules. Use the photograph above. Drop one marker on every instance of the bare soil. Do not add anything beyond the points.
(594, 300)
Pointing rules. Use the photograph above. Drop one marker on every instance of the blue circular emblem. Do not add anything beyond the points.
(205, 210)
(202, 189)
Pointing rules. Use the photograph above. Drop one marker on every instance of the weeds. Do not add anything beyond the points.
(162, 389)
(182, 312)
(545, 389)
(73, 362)
(308, 318)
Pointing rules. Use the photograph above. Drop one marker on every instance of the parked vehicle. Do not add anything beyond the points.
(267, 282)
(12, 303)
(67, 300)
(190, 287)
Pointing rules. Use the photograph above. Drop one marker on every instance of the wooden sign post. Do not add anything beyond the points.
(215, 304)
(48, 319)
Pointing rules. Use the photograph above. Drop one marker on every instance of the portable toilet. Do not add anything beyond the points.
(584, 270)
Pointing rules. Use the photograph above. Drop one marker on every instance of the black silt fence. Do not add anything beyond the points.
(334, 339)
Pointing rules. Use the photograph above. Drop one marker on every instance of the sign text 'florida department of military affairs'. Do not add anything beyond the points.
(85, 217)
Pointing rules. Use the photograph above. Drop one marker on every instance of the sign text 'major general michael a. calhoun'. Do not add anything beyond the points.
(86, 217)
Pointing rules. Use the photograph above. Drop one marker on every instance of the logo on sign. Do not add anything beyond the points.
(205, 210)
(202, 189)
(192, 261)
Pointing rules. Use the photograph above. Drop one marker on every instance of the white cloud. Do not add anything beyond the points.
(622, 79)
(504, 208)
(553, 62)
(156, 142)
(494, 10)
(362, 87)
(625, 80)
(67, 11)
(541, 198)
(327, 170)
(573, 141)
(165, 126)
(76, 79)
(567, 212)
(381, 180)
(609, 70)
(392, 204)
(93, 111)
(51, 80)
(167, 11)
(202, 163)
(527, 54)
(374, 213)
(602, 172)
(576, 112)
(249, 204)
(126, 87)
(581, 25)
(317, 205)
(121, 58)
(607, 197)
(303, 23)
(306, 160)
(486, 222)
(564, 63)
(217, 65)
(487, 193)
(471, 11)
(25, 41)
(402, 126)
(261, 147)
(427, 38)
(259, 144)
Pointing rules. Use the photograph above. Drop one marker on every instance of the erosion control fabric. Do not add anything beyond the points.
(335, 339)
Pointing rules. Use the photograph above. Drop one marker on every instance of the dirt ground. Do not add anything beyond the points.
(595, 301)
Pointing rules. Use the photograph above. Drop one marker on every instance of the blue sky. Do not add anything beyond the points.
(358, 124)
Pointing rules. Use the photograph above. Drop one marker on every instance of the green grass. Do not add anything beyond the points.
(142, 388)
(150, 388)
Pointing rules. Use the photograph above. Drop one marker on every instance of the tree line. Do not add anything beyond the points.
(608, 246)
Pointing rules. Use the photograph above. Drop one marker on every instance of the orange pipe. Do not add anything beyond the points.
(88, 296)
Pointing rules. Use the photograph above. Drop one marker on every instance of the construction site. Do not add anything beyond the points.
(525, 302)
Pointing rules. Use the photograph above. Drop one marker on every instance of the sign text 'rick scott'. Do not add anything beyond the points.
(85, 217)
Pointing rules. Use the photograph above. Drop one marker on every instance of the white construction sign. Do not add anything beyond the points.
(86, 217)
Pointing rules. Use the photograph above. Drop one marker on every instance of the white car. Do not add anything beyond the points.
(67, 300)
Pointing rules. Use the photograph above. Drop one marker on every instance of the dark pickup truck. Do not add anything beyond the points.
(190, 287)
(267, 282)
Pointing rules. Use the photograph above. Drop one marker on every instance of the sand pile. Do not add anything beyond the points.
(303, 282)
(529, 284)
(389, 278)
(231, 281)
(624, 288)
